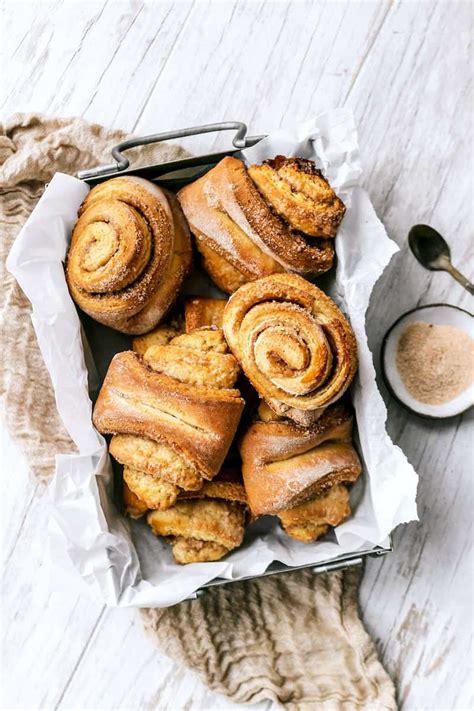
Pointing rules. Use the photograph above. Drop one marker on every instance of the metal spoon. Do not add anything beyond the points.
(432, 251)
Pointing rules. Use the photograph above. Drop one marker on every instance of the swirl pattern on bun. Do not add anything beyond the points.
(129, 254)
(293, 343)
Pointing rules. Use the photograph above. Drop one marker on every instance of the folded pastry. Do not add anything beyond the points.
(173, 412)
(297, 191)
(204, 525)
(159, 336)
(293, 343)
(129, 254)
(271, 218)
(200, 311)
(299, 474)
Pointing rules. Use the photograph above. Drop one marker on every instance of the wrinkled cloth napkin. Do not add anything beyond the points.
(296, 639)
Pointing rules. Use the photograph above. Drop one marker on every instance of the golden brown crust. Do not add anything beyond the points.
(200, 311)
(311, 520)
(225, 276)
(284, 465)
(190, 550)
(130, 251)
(214, 521)
(132, 505)
(330, 507)
(158, 337)
(155, 492)
(208, 525)
(227, 486)
(293, 343)
(299, 193)
(158, 459)
(193, 367)
(197, 422)
(240, 236)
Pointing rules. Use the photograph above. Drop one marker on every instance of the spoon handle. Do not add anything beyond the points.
(468, 285)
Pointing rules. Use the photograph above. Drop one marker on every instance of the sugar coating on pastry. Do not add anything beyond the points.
(158, 337)
(285, 465)
(193, 366)
(239, 233)
(206, 524)
(158, 459)
(154, 491)
(294, 344)
(299, 193)
(129, 254)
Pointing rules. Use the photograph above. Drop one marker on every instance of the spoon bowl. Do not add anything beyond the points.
(432, 252)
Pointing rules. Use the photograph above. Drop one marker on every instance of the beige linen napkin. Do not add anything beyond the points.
(295, 638)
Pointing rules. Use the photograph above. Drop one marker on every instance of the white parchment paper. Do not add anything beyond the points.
(121, 559)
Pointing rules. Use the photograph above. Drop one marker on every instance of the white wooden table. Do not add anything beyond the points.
(147, 67)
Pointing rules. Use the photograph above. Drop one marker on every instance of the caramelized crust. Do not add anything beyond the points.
(225, 275)
(155, 492)
(284, 465)
(133, 506)
(293, 343)
(198, 422)
(200, 311)
(311, 520)
(215, 521)
(239, 234)
(297, 192)
(206, 524)
(130, 251)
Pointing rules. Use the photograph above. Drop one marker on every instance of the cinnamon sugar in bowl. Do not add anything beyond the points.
(428, 360)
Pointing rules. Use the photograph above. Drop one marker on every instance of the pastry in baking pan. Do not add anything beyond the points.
(200, 311)
(207, 524)
(129, 254)
(297, 191)
(280, 216)
(173, 412)
(293, 343)
(299, 474)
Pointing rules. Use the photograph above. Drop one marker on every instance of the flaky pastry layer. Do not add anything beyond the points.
(284, 465)
(240, 234)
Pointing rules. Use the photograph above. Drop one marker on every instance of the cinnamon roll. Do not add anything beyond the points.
(293, 343)
(172, 412)
(129, 254)
(300, 474)
(276, 217)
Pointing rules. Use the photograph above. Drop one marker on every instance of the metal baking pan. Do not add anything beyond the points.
(173, 176)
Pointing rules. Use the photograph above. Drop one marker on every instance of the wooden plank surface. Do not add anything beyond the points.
(149, 66)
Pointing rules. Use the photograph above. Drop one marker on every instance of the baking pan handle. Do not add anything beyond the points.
(240, 141)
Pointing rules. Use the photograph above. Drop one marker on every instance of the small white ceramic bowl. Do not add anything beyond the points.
(439, 314)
